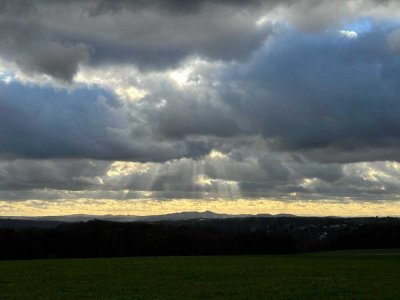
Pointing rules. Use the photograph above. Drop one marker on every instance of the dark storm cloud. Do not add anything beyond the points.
(182, 6)
(24, 41)
(150, 39)
(55, 59)
(191, 112)
(51, 174)
(85, 123)
(333, 97)
(172, 6)
(55, 37)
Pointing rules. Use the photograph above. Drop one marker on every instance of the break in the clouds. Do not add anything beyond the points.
(162, 100)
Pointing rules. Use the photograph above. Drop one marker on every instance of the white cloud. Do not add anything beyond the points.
(349, 34)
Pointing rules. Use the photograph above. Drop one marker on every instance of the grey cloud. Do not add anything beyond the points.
(154, 35)
(326, 96)
(50, 174)
(154, 40)
(394, 40)
(329, 173)
(84, 123)
(175, 6)
(26, 42)
(55, 59)
(252, 174)
(56, 37)
(191, 112)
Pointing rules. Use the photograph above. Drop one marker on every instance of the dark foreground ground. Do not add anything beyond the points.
(371, 274)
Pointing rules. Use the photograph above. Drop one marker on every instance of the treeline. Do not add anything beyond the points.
(198, 237)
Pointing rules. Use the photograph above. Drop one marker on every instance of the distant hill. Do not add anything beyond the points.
(190, 215)
(17, 223)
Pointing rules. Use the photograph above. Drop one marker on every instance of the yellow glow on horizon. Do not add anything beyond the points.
(155, 207)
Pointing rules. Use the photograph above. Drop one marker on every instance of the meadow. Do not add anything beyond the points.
(333, 275)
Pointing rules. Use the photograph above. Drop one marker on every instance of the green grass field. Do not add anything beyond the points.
(340, 275)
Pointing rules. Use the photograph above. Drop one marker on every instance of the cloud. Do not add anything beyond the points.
(217, 176)
(25, 41)
(199, 100)
(189, 112)
(330, 98)
(47, 123)
(55, 38)
(55, 59)
(74, 175)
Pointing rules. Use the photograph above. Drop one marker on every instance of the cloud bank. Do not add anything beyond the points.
(288, 100)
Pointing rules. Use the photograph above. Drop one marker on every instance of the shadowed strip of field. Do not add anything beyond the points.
(356, 275)
(368, 252)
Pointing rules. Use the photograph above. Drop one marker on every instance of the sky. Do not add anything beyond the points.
(152, 107)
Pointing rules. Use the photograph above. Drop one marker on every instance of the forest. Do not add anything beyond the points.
(236, 236)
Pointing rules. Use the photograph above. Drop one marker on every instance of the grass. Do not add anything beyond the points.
(349, 275)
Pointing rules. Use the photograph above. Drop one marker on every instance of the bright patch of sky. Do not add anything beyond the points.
(359, 26)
